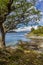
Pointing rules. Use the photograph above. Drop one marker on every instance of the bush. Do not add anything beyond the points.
(19, 57)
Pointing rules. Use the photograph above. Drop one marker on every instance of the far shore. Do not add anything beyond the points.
(35, 37)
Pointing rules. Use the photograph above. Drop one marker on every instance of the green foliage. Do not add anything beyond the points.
(32, 29)
(15, 12)
(22, 11)
(3, 6)
(19, 57)
(38, 31)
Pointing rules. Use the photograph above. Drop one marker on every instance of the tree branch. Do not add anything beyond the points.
(9, 6)
(3, 17)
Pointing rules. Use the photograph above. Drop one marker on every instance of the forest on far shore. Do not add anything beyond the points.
(37, 32)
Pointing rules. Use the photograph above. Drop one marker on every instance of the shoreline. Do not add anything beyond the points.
(35, 37)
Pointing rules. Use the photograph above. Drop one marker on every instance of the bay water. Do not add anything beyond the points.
(13, 38)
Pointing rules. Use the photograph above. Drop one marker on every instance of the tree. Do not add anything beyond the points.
(15, 12)
(32, 29)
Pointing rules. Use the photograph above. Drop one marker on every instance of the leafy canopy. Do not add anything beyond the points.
(3, 6)
(21, 13)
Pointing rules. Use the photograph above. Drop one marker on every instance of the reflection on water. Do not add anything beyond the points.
(13, 38)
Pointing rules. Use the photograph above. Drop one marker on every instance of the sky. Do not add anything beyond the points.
(39, 6)
(28, 28)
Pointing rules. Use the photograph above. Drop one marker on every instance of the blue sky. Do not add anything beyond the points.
(40, 7)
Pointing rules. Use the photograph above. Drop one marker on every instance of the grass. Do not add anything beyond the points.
(32, 34)
(20, 56)
(36, 32)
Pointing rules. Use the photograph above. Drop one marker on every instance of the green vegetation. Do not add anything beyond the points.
(15, 12)
(37, 32)
(20, 57)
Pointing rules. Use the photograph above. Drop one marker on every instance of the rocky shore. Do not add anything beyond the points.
(36, 41)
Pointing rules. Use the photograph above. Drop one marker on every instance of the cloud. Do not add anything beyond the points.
(40, 0)
(41, 21)
(39, 5)
(28, 28)
(41, 13)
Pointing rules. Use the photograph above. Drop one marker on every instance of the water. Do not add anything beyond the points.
(13, 38)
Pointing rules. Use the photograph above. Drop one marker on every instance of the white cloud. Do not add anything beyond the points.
(28, 28)
(24, 29)
(41, 13)
(41, 21)
(40, 0)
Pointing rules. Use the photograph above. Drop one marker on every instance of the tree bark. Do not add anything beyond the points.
(2, 37)
(2, 19)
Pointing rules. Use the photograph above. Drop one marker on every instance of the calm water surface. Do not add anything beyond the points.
(13, 38)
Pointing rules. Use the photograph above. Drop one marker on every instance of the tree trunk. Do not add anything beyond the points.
(2, 44)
